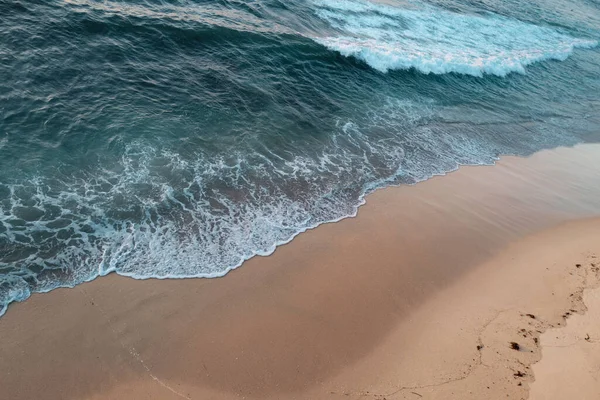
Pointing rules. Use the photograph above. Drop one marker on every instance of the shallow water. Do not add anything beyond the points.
(179, 138)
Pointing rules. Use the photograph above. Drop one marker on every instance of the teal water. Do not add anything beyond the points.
(178, 138)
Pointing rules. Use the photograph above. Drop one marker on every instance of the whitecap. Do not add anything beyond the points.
(433, 40)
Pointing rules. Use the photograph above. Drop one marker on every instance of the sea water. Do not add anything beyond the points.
(179, 138)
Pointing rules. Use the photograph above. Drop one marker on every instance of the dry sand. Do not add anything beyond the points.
(392, 304)
(570, 367)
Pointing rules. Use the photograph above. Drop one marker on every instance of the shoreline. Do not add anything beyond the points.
(331, 313)
(362, 201)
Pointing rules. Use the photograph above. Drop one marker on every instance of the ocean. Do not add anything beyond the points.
(179, 138)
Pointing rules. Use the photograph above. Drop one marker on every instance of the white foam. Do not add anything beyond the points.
(433, 40)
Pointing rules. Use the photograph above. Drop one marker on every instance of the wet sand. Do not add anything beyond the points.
(391, 304)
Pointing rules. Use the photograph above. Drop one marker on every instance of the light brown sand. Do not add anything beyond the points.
(391, 304)
(570, 367)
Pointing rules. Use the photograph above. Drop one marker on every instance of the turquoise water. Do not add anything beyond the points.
(178, 138)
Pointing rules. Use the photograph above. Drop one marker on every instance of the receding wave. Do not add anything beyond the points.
(157, 214)
(432, 40)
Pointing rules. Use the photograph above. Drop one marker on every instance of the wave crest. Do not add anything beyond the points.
(432, 40)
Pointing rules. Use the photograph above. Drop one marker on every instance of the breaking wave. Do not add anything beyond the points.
(432, 40)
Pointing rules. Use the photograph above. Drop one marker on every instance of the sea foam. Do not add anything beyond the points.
(433, 40)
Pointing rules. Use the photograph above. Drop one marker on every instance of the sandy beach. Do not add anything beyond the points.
(481, 284)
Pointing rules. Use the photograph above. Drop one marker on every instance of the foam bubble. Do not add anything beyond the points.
(432, 40)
